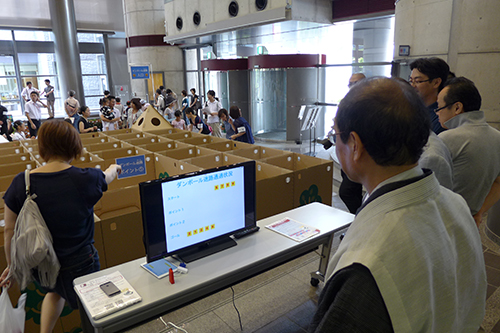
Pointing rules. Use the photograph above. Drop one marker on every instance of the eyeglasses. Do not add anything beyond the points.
(411, 81)
(335, 136)
(444, 107)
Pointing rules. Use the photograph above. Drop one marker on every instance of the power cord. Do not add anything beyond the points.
(172, 324)
(234, 304)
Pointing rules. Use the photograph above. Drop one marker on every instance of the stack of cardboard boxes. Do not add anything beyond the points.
(284, 180)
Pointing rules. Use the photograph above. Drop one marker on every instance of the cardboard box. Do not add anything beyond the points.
(95, 140)
(167, 166)
(116, 132)
(312, 180)
(165, 144)
(86, 158)
(119, 152)
(166, 131)
(134, 135)
(10, 150)
(151, 119)
(146, 140)
(228, 145)
(203, 140)
(274, 190)
(180, 135)
(15, 168)
(106, 146)
(88, 135)
(258, 152)
(120, 216)
(189, 152)
(216, 160)
(15, 158)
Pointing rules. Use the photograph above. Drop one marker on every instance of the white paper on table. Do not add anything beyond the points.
(98, 303)
(293, 229)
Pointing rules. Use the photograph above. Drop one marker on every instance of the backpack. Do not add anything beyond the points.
(31, 245)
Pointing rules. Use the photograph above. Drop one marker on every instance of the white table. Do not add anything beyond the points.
(253, 255)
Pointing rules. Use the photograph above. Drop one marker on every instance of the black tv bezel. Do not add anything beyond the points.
(152, 211)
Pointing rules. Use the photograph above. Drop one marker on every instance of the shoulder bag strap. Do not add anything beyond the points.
(27, 181)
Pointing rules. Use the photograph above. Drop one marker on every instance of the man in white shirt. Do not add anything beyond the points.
(412, 260)
(211, 109)
(33, 111)
(26, 93)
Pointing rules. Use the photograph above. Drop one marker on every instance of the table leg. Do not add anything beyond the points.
(86, 325)
(319, 275)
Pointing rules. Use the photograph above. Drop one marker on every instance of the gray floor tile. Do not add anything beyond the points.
(208, 323)
(303, 314)
(265, 304)
(281, 325)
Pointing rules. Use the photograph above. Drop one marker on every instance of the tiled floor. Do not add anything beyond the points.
(283, 301)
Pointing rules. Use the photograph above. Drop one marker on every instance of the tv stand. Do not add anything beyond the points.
(206, 249)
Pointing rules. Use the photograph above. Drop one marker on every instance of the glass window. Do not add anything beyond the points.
(40, 36)
(5, 35)
(32, 64)
(7, 66)
(90, 38)
(93, 102)
(94, 85)
(93, 63)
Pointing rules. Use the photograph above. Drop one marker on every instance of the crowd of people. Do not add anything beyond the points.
(412, 260)
(114, 115)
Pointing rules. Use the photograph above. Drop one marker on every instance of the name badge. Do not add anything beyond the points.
(200, 126)
(241, 129)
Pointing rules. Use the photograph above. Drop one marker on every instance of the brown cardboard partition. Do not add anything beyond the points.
(119, 152)
(313, 177)
(203, 140)
(15, 158)
(86, 158)
(228, 145)
(90, 135)
(167, 166)
(96, 140)
(9, 144)
(258, 152)
(165, 131)
(119, 211)
(106, 146)
(11, 150)
(2, 205)
(129, 136)
(165, 144)
(217, 160)
(146, 140)
(181, 135)
(274, 190)
(189, 152)
(120, 131)
(15, 168)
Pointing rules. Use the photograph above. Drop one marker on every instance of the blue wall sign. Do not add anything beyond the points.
(139, 72)
(132, 166)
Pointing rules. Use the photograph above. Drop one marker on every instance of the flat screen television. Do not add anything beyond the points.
(193, 215)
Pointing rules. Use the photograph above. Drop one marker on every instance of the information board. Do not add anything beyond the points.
(139, 72)
(132, 166)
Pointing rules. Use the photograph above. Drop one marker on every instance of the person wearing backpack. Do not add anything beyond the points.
(65, 196)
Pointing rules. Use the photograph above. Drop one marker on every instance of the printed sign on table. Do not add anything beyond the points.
(132, 166)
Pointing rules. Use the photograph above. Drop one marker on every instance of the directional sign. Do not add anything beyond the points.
(132, 166)
(139, 72)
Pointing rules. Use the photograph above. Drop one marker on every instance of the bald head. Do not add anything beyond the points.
(389, 117)
(355, 78)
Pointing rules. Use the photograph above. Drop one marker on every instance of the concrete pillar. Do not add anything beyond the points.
(145, 28)
(62, 15)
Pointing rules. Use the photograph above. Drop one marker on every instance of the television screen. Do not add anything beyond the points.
(193, 215)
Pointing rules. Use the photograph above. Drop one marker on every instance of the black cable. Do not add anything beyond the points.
(239, 317)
